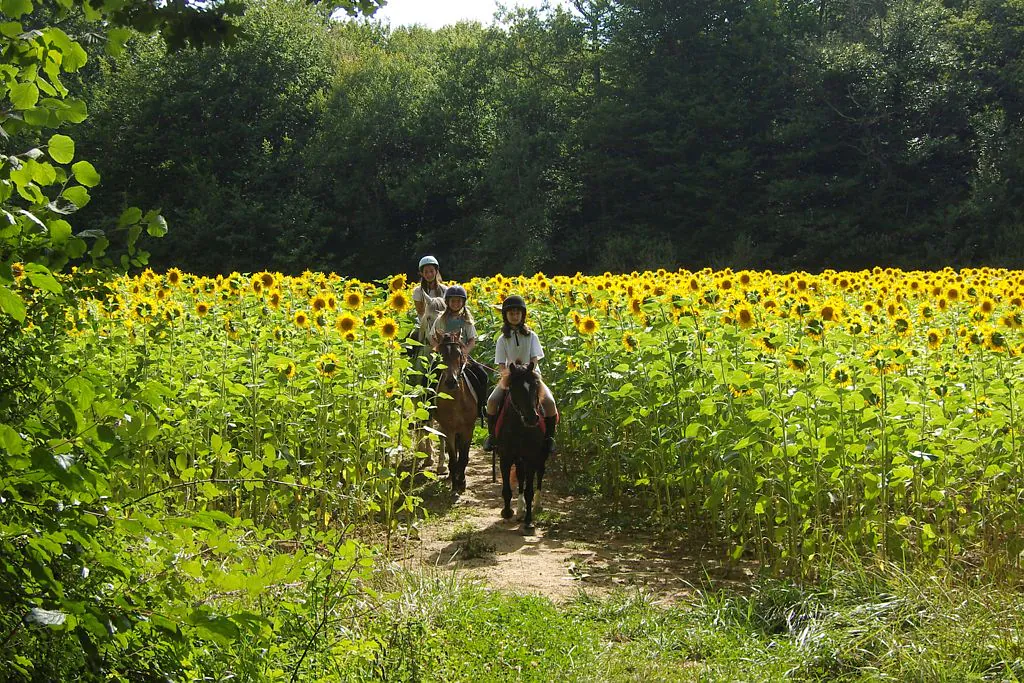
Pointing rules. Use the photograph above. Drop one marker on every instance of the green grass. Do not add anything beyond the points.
(878, 624)
(861, 624)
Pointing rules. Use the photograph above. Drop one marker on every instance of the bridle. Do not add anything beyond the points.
(454, 372)
(515, 408)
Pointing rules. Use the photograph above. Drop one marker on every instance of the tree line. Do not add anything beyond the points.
(614, 135)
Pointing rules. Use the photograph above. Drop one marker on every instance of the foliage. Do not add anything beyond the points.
(80, 573)
(618, 135)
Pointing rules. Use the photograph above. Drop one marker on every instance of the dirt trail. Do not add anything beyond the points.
(571, 550)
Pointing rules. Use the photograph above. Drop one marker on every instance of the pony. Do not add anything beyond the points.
(456, 416)
(520, 440)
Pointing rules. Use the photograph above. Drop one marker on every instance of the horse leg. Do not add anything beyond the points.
(450, 450)
(528, 527)
(521, 500)
(506, 488)
(461, 462)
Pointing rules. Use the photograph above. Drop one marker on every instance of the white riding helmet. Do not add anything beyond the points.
(429, 261)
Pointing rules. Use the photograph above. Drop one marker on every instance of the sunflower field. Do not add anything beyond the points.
(779, 417)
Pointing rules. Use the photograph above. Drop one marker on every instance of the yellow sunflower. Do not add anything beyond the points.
(301, 319)
(346, 322)
(353, 300)
(388, 328)
(398, 302)
(327, 364)
(588, 325)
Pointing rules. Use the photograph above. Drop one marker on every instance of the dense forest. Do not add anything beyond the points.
(617, 135)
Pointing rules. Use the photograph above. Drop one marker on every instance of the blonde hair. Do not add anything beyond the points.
(465, 314)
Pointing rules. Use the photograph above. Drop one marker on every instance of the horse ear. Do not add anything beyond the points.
(530, 368)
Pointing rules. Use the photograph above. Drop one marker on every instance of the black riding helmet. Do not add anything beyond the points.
(510, 302)
(455, 290)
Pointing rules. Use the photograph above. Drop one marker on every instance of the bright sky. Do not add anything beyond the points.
(438, 13)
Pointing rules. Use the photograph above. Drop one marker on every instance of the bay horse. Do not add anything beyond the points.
(520, 439)
(456, 416)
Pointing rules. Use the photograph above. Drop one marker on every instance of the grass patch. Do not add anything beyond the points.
(861, 624)
(472, 543)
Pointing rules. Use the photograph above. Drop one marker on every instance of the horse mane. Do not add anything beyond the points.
(520, 369)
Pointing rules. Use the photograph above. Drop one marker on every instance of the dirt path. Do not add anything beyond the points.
(571, 551)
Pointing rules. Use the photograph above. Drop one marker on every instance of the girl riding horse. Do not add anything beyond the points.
(457, 320)
(519, 344)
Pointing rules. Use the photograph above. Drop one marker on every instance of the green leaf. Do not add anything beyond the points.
(44, 174)
(77, 195)
(11, 441)
(157, 227)
(62, 149)
(24, 95)
(60, 231)
(129, 216)
(16, 8)
(116, 39)
(11, 304)
(41, 277)
(11, 29)
(86, 174)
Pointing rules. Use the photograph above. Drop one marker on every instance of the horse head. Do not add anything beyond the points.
(524, 392)
(453, 354)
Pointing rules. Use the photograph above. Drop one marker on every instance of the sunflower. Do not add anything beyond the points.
(390, 387)
(797, 362)
(841, 376)
(388, 328)
(327, 364)
(202, 308)
(829, 313)
(173, 276)
(636, 306)
(267, 279)
(814, 329)
(588, 325)
(745, 317)
(902, 326)
(274, 299)
(332, 302)
(397, 283)
(346, 322)
(287, 371)
(353, 299)
(398, 302)
(629, 342)
(935, 338)
(301, 319)
(996, 341)
(349, 336)
(318, 303)
(571, 365)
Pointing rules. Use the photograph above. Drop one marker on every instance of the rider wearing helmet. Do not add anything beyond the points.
(428, 296)
(457, 318)
(518, 344)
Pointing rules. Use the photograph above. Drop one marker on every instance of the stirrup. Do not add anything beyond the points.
(489, 444)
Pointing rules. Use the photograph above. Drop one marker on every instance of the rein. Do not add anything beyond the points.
(456, 373)
(519, 413)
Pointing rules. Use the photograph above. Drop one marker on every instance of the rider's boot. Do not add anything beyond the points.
(549, 434)
(492, 421)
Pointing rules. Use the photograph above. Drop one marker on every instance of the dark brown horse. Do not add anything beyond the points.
(456, 416)
(520, 440)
